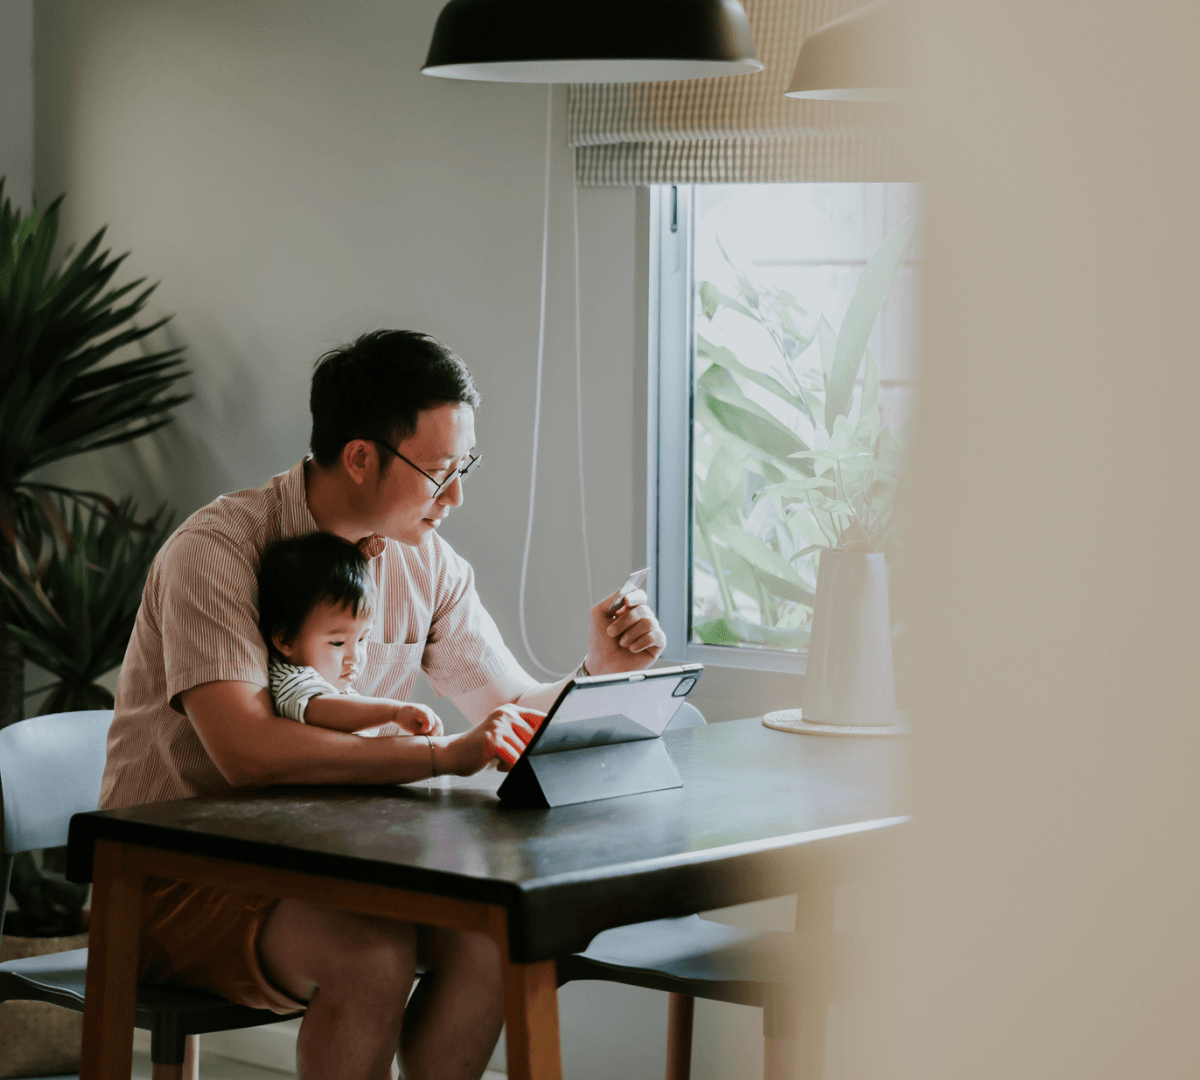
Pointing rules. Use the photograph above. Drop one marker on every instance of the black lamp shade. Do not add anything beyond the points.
(566, 41)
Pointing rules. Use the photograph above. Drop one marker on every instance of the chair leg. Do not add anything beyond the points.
(188, 1069)
(681, 1010)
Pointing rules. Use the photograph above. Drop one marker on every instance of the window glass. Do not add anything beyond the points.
(804, 308)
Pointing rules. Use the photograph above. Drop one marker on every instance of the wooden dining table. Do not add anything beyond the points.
(759, 814)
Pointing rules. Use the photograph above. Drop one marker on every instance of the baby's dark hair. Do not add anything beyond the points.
(298, 574)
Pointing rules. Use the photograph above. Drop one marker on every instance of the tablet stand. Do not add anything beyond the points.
(590, 773)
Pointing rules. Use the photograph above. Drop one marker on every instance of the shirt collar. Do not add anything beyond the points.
(372, 546)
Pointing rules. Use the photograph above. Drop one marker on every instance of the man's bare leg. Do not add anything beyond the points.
(355, 972)
(455, 1014)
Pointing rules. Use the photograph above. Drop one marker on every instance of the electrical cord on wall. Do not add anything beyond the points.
(587, 558)
(537, 400)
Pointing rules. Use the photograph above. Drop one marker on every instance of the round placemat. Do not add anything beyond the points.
(793, 720)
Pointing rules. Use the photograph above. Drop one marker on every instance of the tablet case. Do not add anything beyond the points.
(590, 773)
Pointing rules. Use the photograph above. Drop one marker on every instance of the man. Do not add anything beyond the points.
(393, 430)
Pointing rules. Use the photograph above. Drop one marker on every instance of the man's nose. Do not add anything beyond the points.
(452, 493)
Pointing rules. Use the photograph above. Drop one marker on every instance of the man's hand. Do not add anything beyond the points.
(416, 719)
(500, 737)
(627, 639)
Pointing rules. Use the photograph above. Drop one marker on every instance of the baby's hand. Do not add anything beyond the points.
(417, 719)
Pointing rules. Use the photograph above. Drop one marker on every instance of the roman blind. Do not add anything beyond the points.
(740, 129)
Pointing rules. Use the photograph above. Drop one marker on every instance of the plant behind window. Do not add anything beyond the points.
(783, 483)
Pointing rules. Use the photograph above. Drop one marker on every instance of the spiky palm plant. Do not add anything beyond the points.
(75, 376)
(94, 586)
(64, 389)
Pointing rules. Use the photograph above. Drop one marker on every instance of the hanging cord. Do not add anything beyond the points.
(537, 400)
(587, 558)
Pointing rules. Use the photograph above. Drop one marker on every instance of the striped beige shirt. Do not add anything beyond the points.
(198, 623)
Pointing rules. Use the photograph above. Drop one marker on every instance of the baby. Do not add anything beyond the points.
(316, 602)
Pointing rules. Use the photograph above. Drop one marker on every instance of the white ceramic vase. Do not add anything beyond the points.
(850, 680)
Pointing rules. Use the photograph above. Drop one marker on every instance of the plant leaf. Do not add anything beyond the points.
(726, 359)
(873, 286)
(869, 413)
(738, 630)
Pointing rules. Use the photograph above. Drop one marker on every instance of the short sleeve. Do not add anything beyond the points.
(209, 613)
(292, 687)
(464, 649)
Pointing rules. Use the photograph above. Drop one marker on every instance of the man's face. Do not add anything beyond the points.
(406, 508)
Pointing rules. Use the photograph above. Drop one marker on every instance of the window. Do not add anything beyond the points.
(763, 298)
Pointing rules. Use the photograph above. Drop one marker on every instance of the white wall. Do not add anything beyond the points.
(293, 180)
(16, 94)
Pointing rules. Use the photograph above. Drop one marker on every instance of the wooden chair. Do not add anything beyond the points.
(693, 957)
(50, 768)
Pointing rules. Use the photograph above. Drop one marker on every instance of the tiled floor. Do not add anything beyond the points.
(213, 1067)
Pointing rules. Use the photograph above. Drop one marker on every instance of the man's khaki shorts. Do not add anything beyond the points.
(206, 938)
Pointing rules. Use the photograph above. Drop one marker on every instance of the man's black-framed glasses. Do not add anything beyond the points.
(461, 473)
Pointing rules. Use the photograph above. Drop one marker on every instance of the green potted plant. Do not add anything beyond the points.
(75, 376)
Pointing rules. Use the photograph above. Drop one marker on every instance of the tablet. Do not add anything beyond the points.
(599, 710)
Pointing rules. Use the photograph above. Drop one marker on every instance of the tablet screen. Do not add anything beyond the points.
(602, 710)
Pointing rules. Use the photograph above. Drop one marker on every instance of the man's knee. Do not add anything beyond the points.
(465, 950)
(307, 949)
(374, 957)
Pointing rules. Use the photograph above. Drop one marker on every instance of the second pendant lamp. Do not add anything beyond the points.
(563, 41)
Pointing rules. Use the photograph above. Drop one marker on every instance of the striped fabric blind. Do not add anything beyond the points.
(740, 129)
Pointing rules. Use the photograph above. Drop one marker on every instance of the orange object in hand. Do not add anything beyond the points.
(534, 720)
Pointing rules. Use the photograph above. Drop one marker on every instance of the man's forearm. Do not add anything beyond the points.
(301, 754)
(252, 747)
(542, 696)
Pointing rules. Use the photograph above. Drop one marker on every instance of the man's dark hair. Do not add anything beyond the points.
(298, 574)
(374, 387)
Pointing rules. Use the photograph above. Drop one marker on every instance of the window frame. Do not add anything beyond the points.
(671, 360)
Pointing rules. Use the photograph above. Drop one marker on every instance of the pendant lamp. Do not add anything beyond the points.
(860, 57)
(564, 41)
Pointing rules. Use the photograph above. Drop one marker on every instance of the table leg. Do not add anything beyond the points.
(111, 992)
(531, 1021)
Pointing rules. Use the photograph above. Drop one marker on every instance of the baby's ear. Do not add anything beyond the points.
(281, 646)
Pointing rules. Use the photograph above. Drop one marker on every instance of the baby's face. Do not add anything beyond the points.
(332, 641)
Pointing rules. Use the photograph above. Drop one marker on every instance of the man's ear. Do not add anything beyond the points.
(360, 458)
(281, 646)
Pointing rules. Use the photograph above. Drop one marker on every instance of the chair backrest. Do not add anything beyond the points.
(50, 768)
(687, 715)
